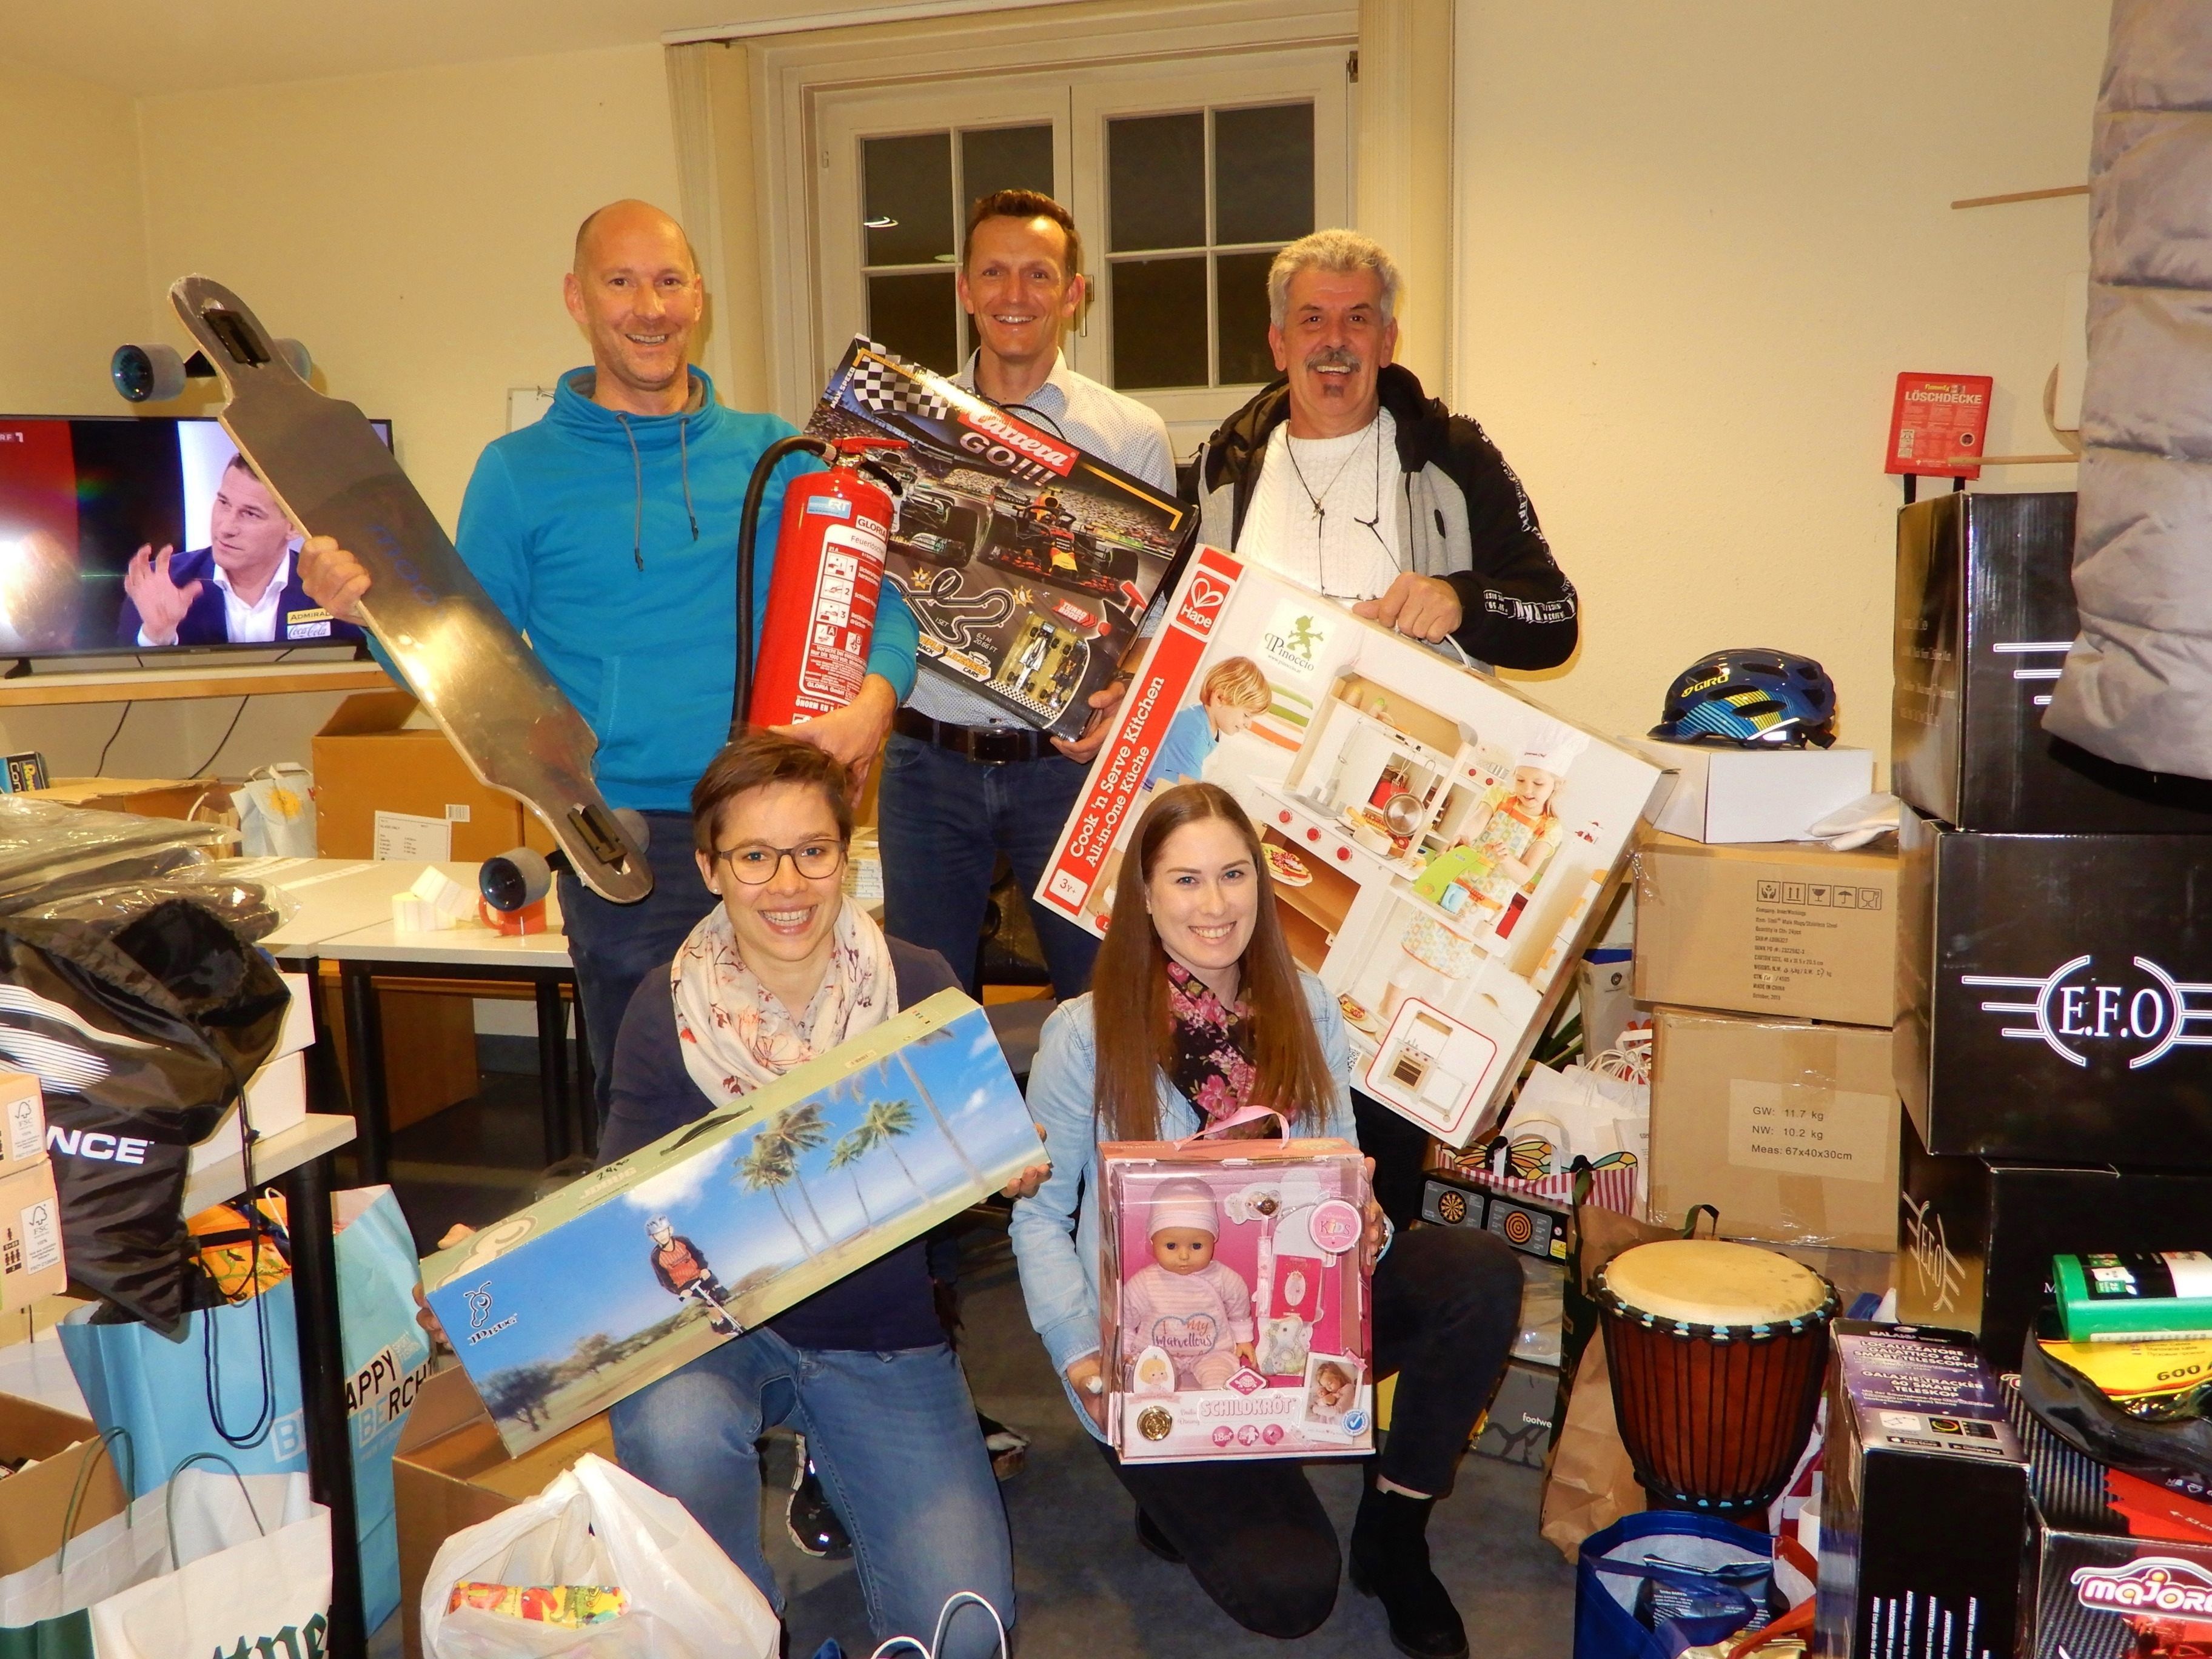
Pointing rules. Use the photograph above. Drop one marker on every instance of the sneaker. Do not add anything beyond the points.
(1009, 1447)
(812, 1524)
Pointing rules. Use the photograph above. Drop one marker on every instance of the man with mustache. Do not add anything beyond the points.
(1345, 477)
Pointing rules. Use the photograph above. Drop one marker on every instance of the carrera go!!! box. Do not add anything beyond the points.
(1233, 1302)
(1027, 563)
(637, 1269)
(1437, 846)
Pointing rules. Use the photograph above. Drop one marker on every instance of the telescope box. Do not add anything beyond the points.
(1027, 563)
(1439, 848)
(643, 1265)
(1984, 618)
(1923, 1516)
(2056, 996)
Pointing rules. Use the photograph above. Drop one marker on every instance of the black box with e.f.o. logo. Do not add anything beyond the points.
(1984, 618)
(2056, 995)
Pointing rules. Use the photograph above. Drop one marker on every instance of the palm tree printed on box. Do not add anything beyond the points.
(767, 1167)
(883, 1123)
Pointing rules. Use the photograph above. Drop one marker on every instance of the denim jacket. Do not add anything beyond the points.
(1055, 1234)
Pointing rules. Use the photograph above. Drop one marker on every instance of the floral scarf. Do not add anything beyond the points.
(736, 1035)
(1211, 1041)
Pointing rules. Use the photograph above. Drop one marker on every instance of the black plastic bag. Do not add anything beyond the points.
(2082, 1414)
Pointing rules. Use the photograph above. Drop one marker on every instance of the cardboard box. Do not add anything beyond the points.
(1517, 1427)
(1730, 795)
(22, 1122)
(1976, 1234)
(2056, 996)
(1985, 619)
(1923, 1511)
(36, 1506)
(450, 1472)
(31, 1265)
(1265, 1349)
(567, 1306)
(378, 753)
(149, 797)
(1788, 1128)
(1446, 941)
(1794, 932)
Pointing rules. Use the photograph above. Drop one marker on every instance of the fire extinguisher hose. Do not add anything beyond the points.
(741, 692)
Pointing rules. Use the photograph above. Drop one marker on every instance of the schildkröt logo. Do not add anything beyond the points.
(479, 1301)
(2144, 1015)
(2156, 1583)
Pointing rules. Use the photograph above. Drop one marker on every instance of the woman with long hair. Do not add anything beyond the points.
(1197, 1012)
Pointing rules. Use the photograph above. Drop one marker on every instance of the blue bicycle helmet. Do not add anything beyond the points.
(1754, 699)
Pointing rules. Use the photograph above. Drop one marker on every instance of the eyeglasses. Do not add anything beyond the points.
(756, 865)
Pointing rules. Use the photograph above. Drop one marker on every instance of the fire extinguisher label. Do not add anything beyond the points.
(847, 584)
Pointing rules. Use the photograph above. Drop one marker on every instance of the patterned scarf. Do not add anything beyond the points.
(1212, 1043)
(736, 1035)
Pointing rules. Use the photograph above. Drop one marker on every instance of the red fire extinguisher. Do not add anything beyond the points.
(828, 576)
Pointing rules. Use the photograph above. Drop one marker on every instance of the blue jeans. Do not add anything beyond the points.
(894, 1438)
(613, 946)
(942, 820)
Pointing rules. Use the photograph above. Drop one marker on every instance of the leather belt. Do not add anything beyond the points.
(991, 745)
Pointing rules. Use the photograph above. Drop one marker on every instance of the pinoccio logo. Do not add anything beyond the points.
(2144, 1015)
(2156, 1583)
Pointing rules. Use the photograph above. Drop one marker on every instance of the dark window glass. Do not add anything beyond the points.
(1159, 322)
(1263, 174)
(914, 315)
(1004, 158)
(1240, 310)
(1156, 181)
(907, 185)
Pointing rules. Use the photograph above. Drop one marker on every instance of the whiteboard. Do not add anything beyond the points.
(526, 404)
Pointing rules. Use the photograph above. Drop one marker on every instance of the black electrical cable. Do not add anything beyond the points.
(741, 692)
(100, 770)
(202, 768)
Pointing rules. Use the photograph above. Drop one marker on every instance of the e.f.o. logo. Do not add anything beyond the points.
(2142, 1015)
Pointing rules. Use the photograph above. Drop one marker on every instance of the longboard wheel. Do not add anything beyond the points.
(295, 355)
(147, 373)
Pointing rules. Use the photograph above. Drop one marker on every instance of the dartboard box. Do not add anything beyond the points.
(1028, 564)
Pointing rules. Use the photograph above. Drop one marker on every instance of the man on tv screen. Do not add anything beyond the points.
(243, 588)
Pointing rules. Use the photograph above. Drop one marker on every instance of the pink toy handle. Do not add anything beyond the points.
(1243, 1114)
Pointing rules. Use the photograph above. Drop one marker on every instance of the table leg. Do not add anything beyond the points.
(372, 1104)
(588, 1096)
(323, 1393)
(553, 1069)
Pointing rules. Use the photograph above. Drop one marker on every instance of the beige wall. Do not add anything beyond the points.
(410, 227)
(1698, 244)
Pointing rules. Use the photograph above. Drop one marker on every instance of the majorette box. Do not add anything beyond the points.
(1439, 845)
(638, 1269)
(1924, 1514)
(1985, 619)
(2056, 995)
(1976, 1234)
(1233, 1301)
(1027, 563)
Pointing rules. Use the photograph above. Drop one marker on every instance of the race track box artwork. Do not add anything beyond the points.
(1027, 563)
(639, 1268)
(1438, 846)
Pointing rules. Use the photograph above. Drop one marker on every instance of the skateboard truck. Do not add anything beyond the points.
(465, 662)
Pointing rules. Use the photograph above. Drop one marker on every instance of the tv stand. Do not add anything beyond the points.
(22, 670)
(24, 686)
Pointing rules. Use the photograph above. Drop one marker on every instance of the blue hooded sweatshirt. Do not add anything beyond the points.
(611, 540)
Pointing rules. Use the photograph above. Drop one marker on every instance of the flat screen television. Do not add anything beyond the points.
(88, 505)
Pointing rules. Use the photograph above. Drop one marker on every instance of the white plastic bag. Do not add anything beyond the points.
(597, 1524)
(277, 813)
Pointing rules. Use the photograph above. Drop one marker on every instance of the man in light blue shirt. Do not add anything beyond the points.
(961, 783)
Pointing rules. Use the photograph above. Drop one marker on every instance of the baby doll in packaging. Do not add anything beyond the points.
(1195, 1310)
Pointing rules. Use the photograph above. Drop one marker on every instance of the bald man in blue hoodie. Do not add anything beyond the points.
(607, 532)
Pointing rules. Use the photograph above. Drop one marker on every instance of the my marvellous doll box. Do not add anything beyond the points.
(616, 1281)
(1233, 1300)
(1438, 846)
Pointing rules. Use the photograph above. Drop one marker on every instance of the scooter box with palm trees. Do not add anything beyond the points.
(621, 1278)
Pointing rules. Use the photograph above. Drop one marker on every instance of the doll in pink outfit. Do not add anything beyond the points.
(1194, 1309)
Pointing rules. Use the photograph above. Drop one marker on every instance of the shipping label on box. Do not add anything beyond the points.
(622, 1276)
(1233, 1300)
(22, 1122)
(1027, 563)
(1438, 846)
(1783, 929)
(1788, 1128)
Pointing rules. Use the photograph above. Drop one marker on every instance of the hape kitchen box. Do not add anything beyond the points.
(1439, 845)
(2056, 995)
(638, 1269)
(1984, 618)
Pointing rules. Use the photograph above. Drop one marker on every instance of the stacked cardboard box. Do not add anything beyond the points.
(31, 1264)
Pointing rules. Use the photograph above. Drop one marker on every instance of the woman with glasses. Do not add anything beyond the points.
(785, 968)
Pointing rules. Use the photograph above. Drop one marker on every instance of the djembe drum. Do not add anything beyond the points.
(1717, 1352)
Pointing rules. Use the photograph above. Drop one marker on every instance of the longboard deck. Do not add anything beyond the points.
(462, 658)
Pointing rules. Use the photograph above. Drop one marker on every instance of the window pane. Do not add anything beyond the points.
(1241, 310)
(1156, 182)
(909, 187)
(1263, 174)
(913, 314)
(1159, 322)
(1004, 158)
